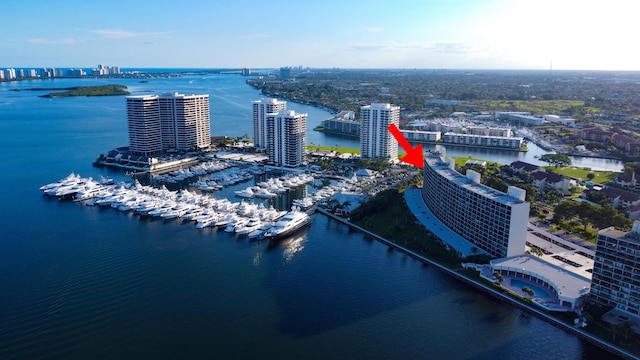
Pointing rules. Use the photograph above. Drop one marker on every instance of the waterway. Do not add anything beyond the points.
(82, 282)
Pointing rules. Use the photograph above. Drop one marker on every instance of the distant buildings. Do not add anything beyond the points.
(9, 74)
(261, 109)
(625, 143)
(461, 133)
(483, 140)
(285, 72)
(519, 117)
(375, 139)
(160, 123)
(286, 138)
(594, 134)
(342, 123)
(103, 70)
(48, 73)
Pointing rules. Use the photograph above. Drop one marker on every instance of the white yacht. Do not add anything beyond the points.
(251, 225)
(293, 221)
(246, 193)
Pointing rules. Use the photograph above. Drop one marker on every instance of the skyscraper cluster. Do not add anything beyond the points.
(283, 133)
(160, 123)
(45, 73)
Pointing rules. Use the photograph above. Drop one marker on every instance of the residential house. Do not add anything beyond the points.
(543, 181)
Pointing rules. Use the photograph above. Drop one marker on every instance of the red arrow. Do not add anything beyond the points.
(414, 155)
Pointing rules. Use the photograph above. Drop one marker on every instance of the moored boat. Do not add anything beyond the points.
(292, 222)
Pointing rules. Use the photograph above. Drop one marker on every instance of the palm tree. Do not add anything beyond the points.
(474, 251)
(498, 276)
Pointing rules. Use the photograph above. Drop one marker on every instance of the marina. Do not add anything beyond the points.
(239, 217)
(91, 281)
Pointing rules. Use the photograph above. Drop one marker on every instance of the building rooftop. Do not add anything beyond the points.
(439, 165)
(524, 166)
(567, 283)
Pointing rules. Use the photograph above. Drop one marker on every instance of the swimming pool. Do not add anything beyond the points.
(519, 284)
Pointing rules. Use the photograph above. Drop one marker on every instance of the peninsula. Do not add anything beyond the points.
(101, 90)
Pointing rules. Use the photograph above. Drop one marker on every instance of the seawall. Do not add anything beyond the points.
(491, 291)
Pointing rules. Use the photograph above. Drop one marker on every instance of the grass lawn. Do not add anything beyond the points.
(602, 177)
(460, 161)
(339, 150)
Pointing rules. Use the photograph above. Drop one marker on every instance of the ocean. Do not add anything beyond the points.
(80, 282)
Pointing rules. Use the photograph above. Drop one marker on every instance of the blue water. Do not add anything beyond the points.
(79, 282)
(539, 292)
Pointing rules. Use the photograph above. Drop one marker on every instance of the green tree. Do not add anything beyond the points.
(556, 159)
(532, 192)
(498, 276)
(527, 290)
(497, 183)
(553, 196)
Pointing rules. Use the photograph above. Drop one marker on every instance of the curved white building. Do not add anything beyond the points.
(491, 220)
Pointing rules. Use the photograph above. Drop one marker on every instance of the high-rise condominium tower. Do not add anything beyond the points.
(143, 118)
(159, 123)
(375, 139)
(185, 121)
(286, 138)
(261, 108)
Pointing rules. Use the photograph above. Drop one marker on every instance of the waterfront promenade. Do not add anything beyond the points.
(413, 196)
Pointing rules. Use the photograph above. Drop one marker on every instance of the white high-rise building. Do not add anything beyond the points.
(185, 121)
(143, 118)
(375, 139)
(10, 74)
(174, 121)
(261, 108)
(286, 138)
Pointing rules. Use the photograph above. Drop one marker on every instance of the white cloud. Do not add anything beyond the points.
(455, 47)
(41, 41)
(124, 34)
(446, 47)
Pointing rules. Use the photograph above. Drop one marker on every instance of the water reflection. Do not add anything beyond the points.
(291, 245)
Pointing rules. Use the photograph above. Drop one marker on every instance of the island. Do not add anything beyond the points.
(101, 90)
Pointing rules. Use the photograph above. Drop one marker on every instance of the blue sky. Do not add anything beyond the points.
(467, 34)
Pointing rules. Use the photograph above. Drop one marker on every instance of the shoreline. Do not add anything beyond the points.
(488, 290)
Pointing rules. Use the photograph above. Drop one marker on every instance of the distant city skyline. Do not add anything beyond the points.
(438, 34)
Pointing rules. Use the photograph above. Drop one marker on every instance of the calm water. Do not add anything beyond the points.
(82, 282)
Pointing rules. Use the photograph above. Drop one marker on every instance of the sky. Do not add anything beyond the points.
(424, 34)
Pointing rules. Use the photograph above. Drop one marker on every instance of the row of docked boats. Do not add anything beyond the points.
(274, 186)
(243, 218)
(200, 169)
